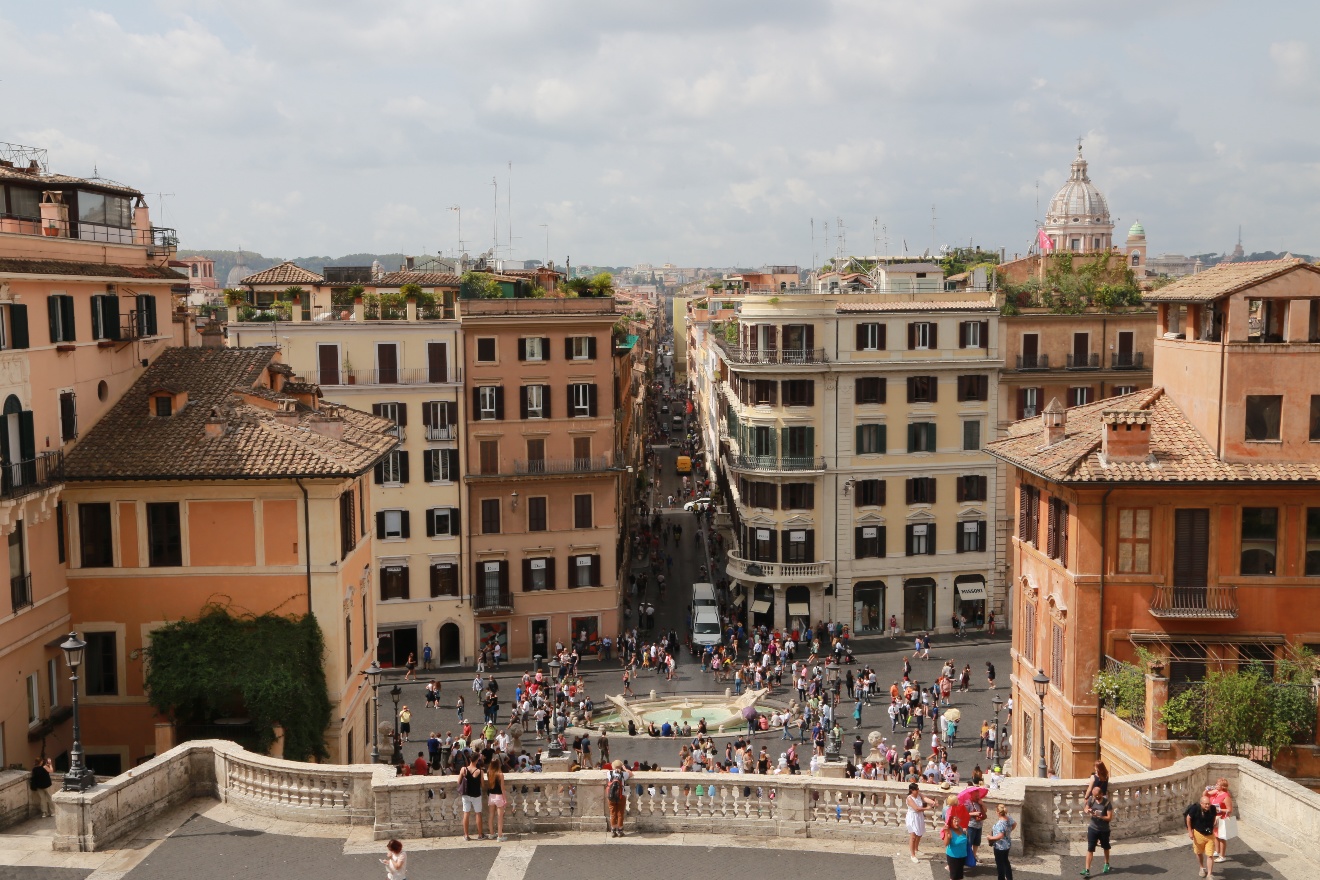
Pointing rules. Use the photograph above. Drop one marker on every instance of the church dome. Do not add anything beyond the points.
(1137, 230)
(238, 273)
(1078, 201)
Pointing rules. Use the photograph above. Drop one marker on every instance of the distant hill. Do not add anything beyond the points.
(227, 260)
(1209, 260)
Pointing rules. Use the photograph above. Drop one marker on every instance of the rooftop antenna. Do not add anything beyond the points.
(884, 228)
(842, 239)
(546, 227)
(510, 209)
(932, 228)
(160, 199)
(495, 249)
(459, 211)
(813, 245)
(1037, 218)
(875, 235)
(826, 225)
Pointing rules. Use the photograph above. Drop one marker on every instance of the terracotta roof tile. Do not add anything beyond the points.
(1179, 451)
(60, 180)
(425, 279)
(285, 273)
(1224, 279)
(908, 305)
(91, 270)
(131, 444)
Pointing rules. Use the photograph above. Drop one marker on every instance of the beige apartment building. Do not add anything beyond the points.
(543, 471)
(84, 304)
(850, 428)
(403, 363)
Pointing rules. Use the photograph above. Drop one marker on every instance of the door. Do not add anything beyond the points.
(437, 362)
(450, 649)
(1030, 349)
(327, 361)
(387, 364)
(1125, 348)
(1081, 349)
(919, 605)
(869, 606)
(540, 638)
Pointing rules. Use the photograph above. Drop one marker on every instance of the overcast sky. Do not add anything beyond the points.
(706, 132)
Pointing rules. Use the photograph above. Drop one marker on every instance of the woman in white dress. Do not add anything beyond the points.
(917, 805)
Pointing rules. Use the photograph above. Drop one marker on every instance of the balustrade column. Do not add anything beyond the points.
(1157, 694)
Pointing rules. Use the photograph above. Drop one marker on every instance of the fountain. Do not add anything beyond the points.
(718, 710)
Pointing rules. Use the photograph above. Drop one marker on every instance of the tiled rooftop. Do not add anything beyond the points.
(909, 305)
(1180, 453)
(285, 273)
(131, 444)
(90, 270)
(426, 279)
(18, 175)
(1224, 279)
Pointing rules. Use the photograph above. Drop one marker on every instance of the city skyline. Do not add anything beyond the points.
(679, 134)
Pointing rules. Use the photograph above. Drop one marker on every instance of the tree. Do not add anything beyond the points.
(480, 285)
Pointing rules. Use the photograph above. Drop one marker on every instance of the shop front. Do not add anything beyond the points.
(971, 598)
(799, 608)
(919, 604)
(868, 607)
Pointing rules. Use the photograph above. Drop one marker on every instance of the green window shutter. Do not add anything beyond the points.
(882, 444)
(784, 444)
(857, 448)
(53, 317)
(912, 437)
(930, 437)
(811, 442)
(18, 320)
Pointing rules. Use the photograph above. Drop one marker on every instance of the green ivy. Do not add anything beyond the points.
(265, 667)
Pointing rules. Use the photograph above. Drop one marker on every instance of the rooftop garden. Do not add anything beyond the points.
(1074, 284)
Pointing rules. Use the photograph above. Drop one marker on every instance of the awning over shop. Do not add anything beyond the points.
(738, 600)
(970, 591)
(760, 606)
(799, 609)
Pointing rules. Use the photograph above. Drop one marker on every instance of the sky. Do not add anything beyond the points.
(693, 132)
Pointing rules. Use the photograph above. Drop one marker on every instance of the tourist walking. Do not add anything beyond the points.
(395, 861)
(1225, 825)
(1201, 818)
(411, 674)
(39, 783)
(616, 796)
(495, 799)
(917, 805)
(955, 848)
(1001, 842)
(405, 722)
(1101, 813)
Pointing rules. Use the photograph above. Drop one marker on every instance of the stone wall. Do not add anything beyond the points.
(14, 797)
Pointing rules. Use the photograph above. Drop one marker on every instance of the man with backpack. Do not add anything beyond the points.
(616, 796)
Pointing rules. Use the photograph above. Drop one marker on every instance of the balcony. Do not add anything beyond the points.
(593, 464)
(740, 355)
(778, 572)
(1084, 362)
(1033, 362)
(1194, 603)
(441, 432)
(159, 239)
(488, 601)
(776, 464)
(25, 477)
(20, 591)
(1127, 360)
(400, 376)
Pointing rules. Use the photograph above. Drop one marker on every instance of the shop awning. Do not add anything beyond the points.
(971, 590)
(760, 606)
(799, 609)
(738, 600)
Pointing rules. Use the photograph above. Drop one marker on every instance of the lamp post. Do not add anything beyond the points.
(998, 704)
(397, 758)
(1041, 682)
(79, 778)
(372, 673)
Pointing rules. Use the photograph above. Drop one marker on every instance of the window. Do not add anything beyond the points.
(870, 493)
(1029, 632)
(20, 580)
(440, 465)
(1079, 396)
(488, 452)
(1314, 433)
(973, 388)
(534, 401)
(535, 455)
(442, 522)
(393, 468)
(1120, 390)
(101, 664)
(799, 392)
(923, 389)
(1056, 531)
(1134, 540)
(971, 487)
(164, 539)
(765, 392)
(440, 418)
(394, 412)
(870, 337)
(582, 453)
(761, 441)
(536, 518)
(1263, 414)
(921, 334)
(799, 545)
(535, 348)
(971, 436)
(490, 403)
(444, 579)
(1191, 550)
(393, 581)
(1260, 537)
(761, 544)
(974, 334)
(164, 405)
(68, 416)
(870, 389)
(582, 511)
(53, 683)
(61, 540)
(347, 525)
(538, 575)
(799, 442)
(392, 525)
(105, 316)
(387, 363)
(757, 494)
(1028, 737)
(437, 362)
(486, 350)
(799, 496)
(490, 516)
(582, 398)
(584, 570)
(1028, 514)
(870, 542)
(33, 699)
(921, 539)
(1029, 402)
(1313, 541)
(95, 536)
(921, 437)
(59, 307)
(580, 348)
(921, 490)
(1056, 657)
(971, 536)
(870, 439)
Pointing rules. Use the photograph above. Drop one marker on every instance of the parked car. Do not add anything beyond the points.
(698, 505)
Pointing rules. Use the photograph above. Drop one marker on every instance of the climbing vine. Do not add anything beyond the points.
(264, 667)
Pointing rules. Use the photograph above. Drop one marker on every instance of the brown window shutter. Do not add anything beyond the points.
(1023, 492)
(861, 336)
(809, 335)
(522, 400)
(526, 563)
(545, 402)
(476, 404)
(934, 343)
(962, 334)
(911, 489)
(881, 337)
(522, 356)
(934, 388)
(545, 353)
(403, 415)
(985, 335)
(962, 491)
(504, 578)
(912, 335)
(595, 570)
(912, 388)
(375, 410)
(1021, 403)
(774, 392)
(550, 573)
(437, 361)
(1051, 531)
(499, 403)
(427, 420)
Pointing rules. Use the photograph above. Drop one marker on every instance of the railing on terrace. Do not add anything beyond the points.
(774, 463)
(156, 237)
(1213, 601)
(401, 376)
(486, 600)
(1128, 360)
(777, 571)
(32, 475)
(1033, 362)
(20, 591)
(1085, 362)
(743, 355)
(441, 432)
(591, 464)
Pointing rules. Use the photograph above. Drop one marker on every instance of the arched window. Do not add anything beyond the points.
(1136, 259)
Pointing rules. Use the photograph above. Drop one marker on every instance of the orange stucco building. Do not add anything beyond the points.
(1183, 519)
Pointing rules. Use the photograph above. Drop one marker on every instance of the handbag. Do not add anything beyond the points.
(971, 858)
(1226, 828)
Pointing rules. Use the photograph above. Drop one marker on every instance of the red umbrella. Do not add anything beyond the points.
(973, 790)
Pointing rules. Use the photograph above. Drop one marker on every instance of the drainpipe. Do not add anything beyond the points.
(307, 541)
(1219, 418)
(1100, 630)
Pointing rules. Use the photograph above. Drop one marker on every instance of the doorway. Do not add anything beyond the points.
(869, 606)
(451, 650)
(919, 604)
(394, 645)
(541, 638)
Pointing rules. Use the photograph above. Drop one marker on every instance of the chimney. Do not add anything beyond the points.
(1055, 420)
(215, 425)
(213, 335)
(328, 422)
(54, 214)
(286, 412)
(1126, 434)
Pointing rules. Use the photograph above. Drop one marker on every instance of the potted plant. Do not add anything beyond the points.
(349, 377)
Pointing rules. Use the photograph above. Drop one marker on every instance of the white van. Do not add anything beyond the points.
(705, 629)
(703, 596)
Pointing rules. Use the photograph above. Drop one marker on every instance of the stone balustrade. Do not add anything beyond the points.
(1050, 812)
(15, 797)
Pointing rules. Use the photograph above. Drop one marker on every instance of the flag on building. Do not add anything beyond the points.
(1046, 243)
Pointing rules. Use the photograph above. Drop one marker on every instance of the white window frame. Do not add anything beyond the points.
(1030, 403)
(391, 473)
(535, 401)
(440, 466)
(34, 699)
(581, 348)
(580, 392)
(920, 540)
(582, 570)
(1120, 390)
(486, 396)
(448, 513)
(921, 335)
(533, 348)
(52, 683)
(872, 341)
(397, 516)
(542, 572)
(970, 539)
(1078, 393)
(973, 334)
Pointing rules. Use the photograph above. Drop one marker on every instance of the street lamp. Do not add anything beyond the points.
(832, 680)
(372, 673)
(79, 778)
(998, 704)
(1041, 682)
(397, 758)
(554, 674)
